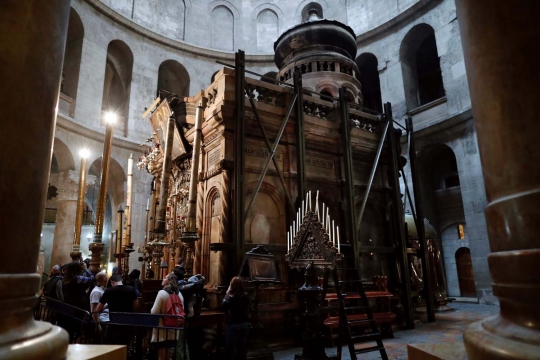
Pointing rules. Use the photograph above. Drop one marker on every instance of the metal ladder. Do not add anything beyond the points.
(345, 323)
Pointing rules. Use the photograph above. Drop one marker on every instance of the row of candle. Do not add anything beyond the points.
(333, 231)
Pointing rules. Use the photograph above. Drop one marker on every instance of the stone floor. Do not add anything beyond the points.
(448, 327)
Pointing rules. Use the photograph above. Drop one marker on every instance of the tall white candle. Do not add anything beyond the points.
(148, 204)
(294, 227)
(327, 220)
(309, 198)
(292, 233)
(333, 233)
(322, 216)
(288, 242)
(317, 205)
(297, 220)
(338, 244)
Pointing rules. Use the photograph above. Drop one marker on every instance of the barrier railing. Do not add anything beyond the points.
(143, 334)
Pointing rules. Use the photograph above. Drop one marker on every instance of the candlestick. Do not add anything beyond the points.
(338, 244)
(333, 233)
(129, 202)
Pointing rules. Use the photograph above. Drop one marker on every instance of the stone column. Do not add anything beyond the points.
(32, 42)
(500, 43)
(67, 184)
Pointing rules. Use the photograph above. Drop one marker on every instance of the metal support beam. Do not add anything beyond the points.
(300, 139)
(350, 216)
(267, 141)
(373, 171)
(399, 223)
(239, 163)
(271, 155)
(420, 226)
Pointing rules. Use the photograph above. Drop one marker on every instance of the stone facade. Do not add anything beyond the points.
(194, 34)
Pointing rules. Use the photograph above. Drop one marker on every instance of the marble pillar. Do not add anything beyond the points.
(67, 183)
(500, 43)
(32, 42)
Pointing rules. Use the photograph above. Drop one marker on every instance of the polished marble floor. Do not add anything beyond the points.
(448, 328)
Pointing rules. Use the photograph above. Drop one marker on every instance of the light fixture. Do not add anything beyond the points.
(89, 236)
(110, 117)
(85, 153)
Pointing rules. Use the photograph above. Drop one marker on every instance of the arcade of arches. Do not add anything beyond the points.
(136, 155)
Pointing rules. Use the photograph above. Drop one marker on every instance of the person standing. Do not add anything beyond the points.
(95, 296)
(53, 287)
(236, 306)
(74, 286)
(119, 298)
(166, 338)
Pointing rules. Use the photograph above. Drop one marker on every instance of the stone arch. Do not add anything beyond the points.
(72, 63)
(210, 266)
(369, 79)
(329, 87)
(213, 77)
(420, 64)
(117, 84)
(302, 11)
(265, 223)
(173, 78)
(62, 156)
(267, 30)
(115, 186)
(223, 26)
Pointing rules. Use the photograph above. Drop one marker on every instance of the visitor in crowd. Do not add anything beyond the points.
(134, 277)
(74, 286)
(189, 290)
(95, 296)
(166, 338)
(53, 287)
(119, 298)
(114, 272)
(179, 270)
(236, 306)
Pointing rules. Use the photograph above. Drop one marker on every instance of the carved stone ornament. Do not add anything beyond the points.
(312, 245)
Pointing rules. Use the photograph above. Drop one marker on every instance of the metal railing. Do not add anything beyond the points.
(135, 330)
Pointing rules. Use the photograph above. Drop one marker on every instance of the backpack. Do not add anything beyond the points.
(174, 307)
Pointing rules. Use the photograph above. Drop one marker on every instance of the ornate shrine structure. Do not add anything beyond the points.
(266, 142)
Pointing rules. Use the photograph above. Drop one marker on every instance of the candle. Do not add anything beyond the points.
(288, 242)
(327, 220)
(333, 233)
(147, 204)
(292, 234)
(317, 204)
(309, 198)
(297, 220)
(303, 210)
(338, 244)
(322, 217)
(294, 227)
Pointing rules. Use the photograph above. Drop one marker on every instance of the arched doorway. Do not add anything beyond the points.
(467, 286)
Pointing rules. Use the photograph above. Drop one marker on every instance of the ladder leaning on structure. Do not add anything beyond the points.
(348, 317)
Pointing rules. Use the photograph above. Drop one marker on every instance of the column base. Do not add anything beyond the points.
(75, 255)
(495, 338)
(42, 341)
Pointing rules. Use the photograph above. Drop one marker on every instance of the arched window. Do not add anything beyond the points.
(369, 78)
(72, 62)
(421, 68)
(222, 29)
(444, 171)
(312, 11)
(116, 90)
(267, 30)
(173, 79)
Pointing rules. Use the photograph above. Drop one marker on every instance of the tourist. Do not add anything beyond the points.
(53, 287)
(135, 281)
(74, 291)
(119, 298)
(114, 272)
(236, 306)
(180, 270)
(166, 339)
(95, 296)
